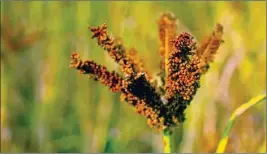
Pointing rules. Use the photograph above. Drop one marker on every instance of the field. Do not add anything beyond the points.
(46, 106)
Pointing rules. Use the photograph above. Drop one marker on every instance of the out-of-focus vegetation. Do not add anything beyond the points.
(48, 107)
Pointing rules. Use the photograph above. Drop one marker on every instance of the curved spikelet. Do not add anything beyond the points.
(207, 50)
(115, 49)
(100, 73)
(167, 31)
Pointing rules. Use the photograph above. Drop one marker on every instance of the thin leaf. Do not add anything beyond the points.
(238, 112)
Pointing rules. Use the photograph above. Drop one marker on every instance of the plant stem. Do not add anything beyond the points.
(166, 141)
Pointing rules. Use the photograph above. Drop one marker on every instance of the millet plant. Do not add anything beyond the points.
(183, 63)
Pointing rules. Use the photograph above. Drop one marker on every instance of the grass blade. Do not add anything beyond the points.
(238, 112)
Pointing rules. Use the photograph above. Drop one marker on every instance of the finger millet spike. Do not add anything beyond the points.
(185, 64)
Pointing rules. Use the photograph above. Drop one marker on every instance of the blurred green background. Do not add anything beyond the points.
(48, 107)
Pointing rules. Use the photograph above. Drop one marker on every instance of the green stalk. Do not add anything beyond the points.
(166, 141)
(238, 112)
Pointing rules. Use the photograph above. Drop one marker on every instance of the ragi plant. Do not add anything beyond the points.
(183, 63)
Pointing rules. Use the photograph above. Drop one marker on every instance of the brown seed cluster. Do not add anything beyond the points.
(207, 50)
(183, 68)
(183, 61)
(183, 75)
(100, 73)
(150, 103)
(114, 48)
(152, 114)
